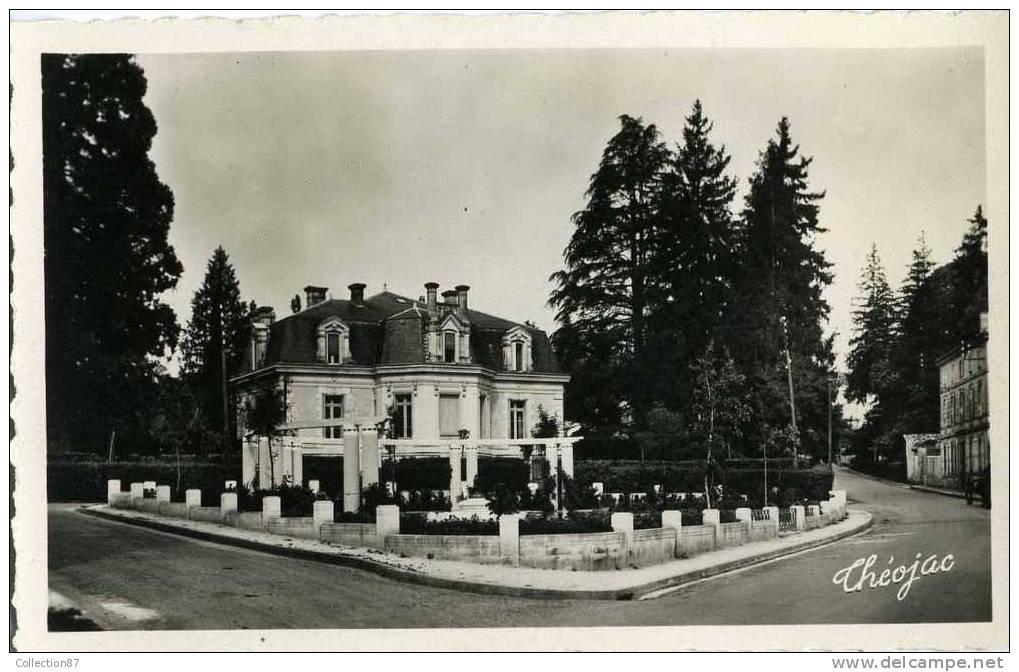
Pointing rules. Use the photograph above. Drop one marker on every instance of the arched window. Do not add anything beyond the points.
(451, 343)
(516, 350)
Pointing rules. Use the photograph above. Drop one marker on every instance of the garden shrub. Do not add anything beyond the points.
(414, 524)
(423, 473)
(426, 500)
(510, 472)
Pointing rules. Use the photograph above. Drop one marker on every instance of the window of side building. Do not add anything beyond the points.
(449, 415)
(332, 409)
(333, 347)
(402, 418)
(518, 426)
(449, 347)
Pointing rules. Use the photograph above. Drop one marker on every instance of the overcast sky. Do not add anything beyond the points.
(465, 166)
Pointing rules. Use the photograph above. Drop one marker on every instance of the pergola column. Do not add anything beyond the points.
(454, 474)
(369, 456)
(352, 469)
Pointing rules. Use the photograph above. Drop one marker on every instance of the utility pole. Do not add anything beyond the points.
(829, 421)
(792, 399)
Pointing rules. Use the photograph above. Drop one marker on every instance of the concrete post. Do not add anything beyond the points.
(313, 485)
(567, 453)
(712, 517)
(137, 490)
(623, 522)
(472, 465)
(387, 521)
(369, 456)
(162, 493)
(799, 514)
(227, 502)
(192, 497)
(112, 490)
(321, 512)
(149, 485)
(674, 519)
(351, 470)
(827, 509)
(271, 509)
(454, 475)
(509, 538)
(773, 521)
(743, 514)
(815, 511)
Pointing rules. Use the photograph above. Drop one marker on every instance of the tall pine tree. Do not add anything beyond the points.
(107, 257)
(612, 281)
(699, 239)
(970, 286)
(783, 275)
(217, 335)
(875, 326)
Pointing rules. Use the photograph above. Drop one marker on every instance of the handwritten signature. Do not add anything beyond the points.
(853, 577)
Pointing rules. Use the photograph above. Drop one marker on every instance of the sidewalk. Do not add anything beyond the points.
(498, 579)
(941, 491)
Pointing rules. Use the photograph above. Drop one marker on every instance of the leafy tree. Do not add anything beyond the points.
(719, 406)
(612, 279)
(875, 323)
(782, 275)
(264, 412)
(217, 335)
(107, 257)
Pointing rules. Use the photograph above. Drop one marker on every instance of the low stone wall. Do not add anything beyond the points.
(653, 546)
(173, 509)
(696, 539)
(762, 530)
(148, 505)
(592, 551)
(249, 520)
(350, 534)
(731, 534)
(303, 527)
(483, 549)
(207, 514)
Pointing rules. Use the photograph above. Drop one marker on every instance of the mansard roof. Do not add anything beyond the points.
(389, 329)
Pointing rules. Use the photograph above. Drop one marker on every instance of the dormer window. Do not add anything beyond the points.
(449, 347)
(450, 343)
(516, 350)
(333, 341)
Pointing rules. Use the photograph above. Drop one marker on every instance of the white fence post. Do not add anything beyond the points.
(271, 508)
(322, 512)
(509, 538)
(799, 514)
(162, 493)
(623, 522)
(137, 490)
(112, 490)
(674, 519)
(192, 497)
(227, 502)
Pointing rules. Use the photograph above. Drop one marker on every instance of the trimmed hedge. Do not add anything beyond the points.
(511, 472)
(411, 524)
(82, 481)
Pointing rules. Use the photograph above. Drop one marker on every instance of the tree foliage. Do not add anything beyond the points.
(107, 257)
(217, 335)
(876, 323)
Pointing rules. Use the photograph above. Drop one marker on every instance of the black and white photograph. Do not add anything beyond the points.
(448, 337)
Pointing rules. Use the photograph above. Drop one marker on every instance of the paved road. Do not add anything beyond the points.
(126, 577)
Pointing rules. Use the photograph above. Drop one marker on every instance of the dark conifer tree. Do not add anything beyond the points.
(107, 257)
(217, 335)
(782, 275)
(970, 286)
(612, 281)
(875, 326)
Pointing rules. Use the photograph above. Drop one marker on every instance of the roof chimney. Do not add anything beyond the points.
(461, 299)
(264, 315)
(431, 288)
(357, 293)
(313, 295)
(449, 297)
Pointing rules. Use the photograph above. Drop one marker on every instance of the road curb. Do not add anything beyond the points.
(409, 576)
(938, 491)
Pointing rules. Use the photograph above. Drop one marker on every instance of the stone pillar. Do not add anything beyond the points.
(298, 464)
(351, 471)
(773, 521)
(827, 510)
(509, 538)
(112, 490)
(313, 485)
(815, 511)
(369, 456)
(137, 490)
(387, 521)
(674, 520)
(249, 451)
(712, 517)
(149, 485)
(271, 509)
(162, 493)
(567, 453)
(623, 522)
(471, 452)
(321, 512)
(799, 515)
(454, 475)
(192, 497)
(227, 502)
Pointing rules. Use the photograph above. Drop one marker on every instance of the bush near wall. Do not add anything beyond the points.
(511, 472)
(85, 481)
